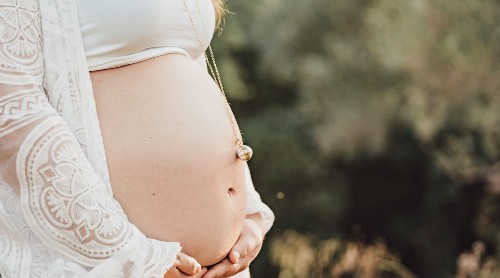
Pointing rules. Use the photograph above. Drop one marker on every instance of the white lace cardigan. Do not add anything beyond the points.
(58, 217)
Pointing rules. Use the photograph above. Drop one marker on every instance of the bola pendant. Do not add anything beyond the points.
(245, 153)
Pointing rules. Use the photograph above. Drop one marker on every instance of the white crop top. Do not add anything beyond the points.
(122, 32)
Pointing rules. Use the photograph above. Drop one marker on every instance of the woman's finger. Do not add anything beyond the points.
(188, 264)
(176, 273)
(250, 239)
(201, 273)
(244, 263)
(242, 248)
(227, 269)
(222, 270)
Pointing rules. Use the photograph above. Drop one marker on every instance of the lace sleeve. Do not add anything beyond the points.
(64, 202)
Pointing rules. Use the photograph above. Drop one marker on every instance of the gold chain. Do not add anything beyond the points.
(244, 152)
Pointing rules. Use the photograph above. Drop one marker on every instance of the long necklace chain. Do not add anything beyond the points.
(244, 152)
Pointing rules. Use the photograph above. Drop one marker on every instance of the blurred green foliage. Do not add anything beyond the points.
(375, 126)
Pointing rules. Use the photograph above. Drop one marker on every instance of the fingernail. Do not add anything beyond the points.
(197, 268)
(236, 256)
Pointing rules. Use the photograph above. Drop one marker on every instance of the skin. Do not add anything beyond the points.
(241, 255)
(185, 266)
(243, 252)
(171, 154)
(152, 115)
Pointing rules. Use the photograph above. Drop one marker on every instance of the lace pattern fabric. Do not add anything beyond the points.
(20, 40)
(58, 217)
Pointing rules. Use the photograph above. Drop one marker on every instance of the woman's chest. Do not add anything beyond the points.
(129, 26)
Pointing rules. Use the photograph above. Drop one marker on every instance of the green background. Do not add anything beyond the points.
(375, 126)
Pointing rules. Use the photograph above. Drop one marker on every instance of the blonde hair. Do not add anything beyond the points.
(220, 11)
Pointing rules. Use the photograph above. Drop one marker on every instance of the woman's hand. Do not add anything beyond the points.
(185, 266)
(244, 251)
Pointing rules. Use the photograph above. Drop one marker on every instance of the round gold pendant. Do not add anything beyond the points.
(245, 153)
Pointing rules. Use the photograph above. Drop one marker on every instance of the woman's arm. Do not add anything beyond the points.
(65, 203)
(256, 209)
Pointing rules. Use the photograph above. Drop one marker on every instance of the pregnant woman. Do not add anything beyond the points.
(165, 191)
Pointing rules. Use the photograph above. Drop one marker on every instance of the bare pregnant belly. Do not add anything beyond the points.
(171, 154)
